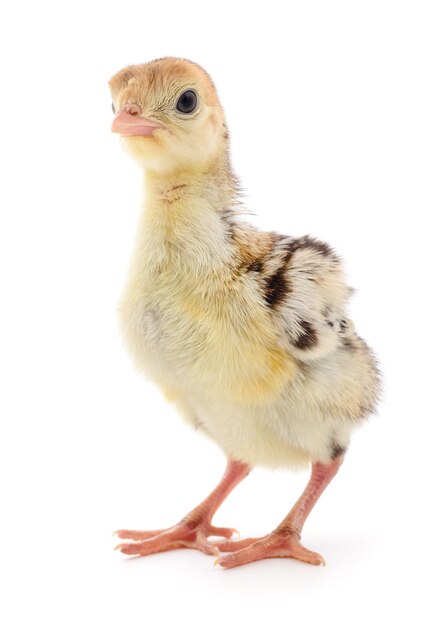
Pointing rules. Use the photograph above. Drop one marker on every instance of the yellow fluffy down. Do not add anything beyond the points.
(246, 332)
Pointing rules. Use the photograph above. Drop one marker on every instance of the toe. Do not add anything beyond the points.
(228, 561)
(145, 548)
(136, 535)
(307, 556)
(201, 543)
(128, 548)
(250, 550)
(216, 531)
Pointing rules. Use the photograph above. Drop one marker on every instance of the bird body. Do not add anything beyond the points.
(197, 319)
(245, 331)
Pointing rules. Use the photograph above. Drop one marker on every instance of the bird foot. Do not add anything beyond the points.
(279, 543)
(189, 533)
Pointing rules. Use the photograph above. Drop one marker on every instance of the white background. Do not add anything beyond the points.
(335, 114)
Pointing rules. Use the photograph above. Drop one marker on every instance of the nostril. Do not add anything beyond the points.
(133, 109)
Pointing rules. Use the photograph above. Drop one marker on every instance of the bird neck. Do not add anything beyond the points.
(173, 191)
(186, 215)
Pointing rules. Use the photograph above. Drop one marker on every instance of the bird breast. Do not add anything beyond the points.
(207, 336)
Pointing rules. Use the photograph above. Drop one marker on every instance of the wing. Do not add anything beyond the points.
(303, 284)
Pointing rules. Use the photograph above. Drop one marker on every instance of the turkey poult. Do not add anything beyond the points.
(245, 331)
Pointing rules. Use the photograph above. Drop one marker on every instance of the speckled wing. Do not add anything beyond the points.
(303, 284)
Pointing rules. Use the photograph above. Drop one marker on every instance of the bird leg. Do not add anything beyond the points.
(194, 529)
(285, 540)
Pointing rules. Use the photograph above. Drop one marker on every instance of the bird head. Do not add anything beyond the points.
(168, 115)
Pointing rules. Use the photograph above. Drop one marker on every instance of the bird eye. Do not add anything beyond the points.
(113, 108)
(187, 102)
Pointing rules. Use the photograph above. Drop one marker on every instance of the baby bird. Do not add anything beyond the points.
(244, 331)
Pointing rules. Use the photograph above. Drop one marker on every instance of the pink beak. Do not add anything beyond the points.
(129, 122)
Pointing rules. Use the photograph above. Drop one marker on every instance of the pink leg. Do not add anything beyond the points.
(194, 528)
(284, 541)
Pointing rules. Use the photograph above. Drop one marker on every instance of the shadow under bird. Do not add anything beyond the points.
(245, 331)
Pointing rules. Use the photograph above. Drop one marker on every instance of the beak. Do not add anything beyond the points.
(129, 122)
